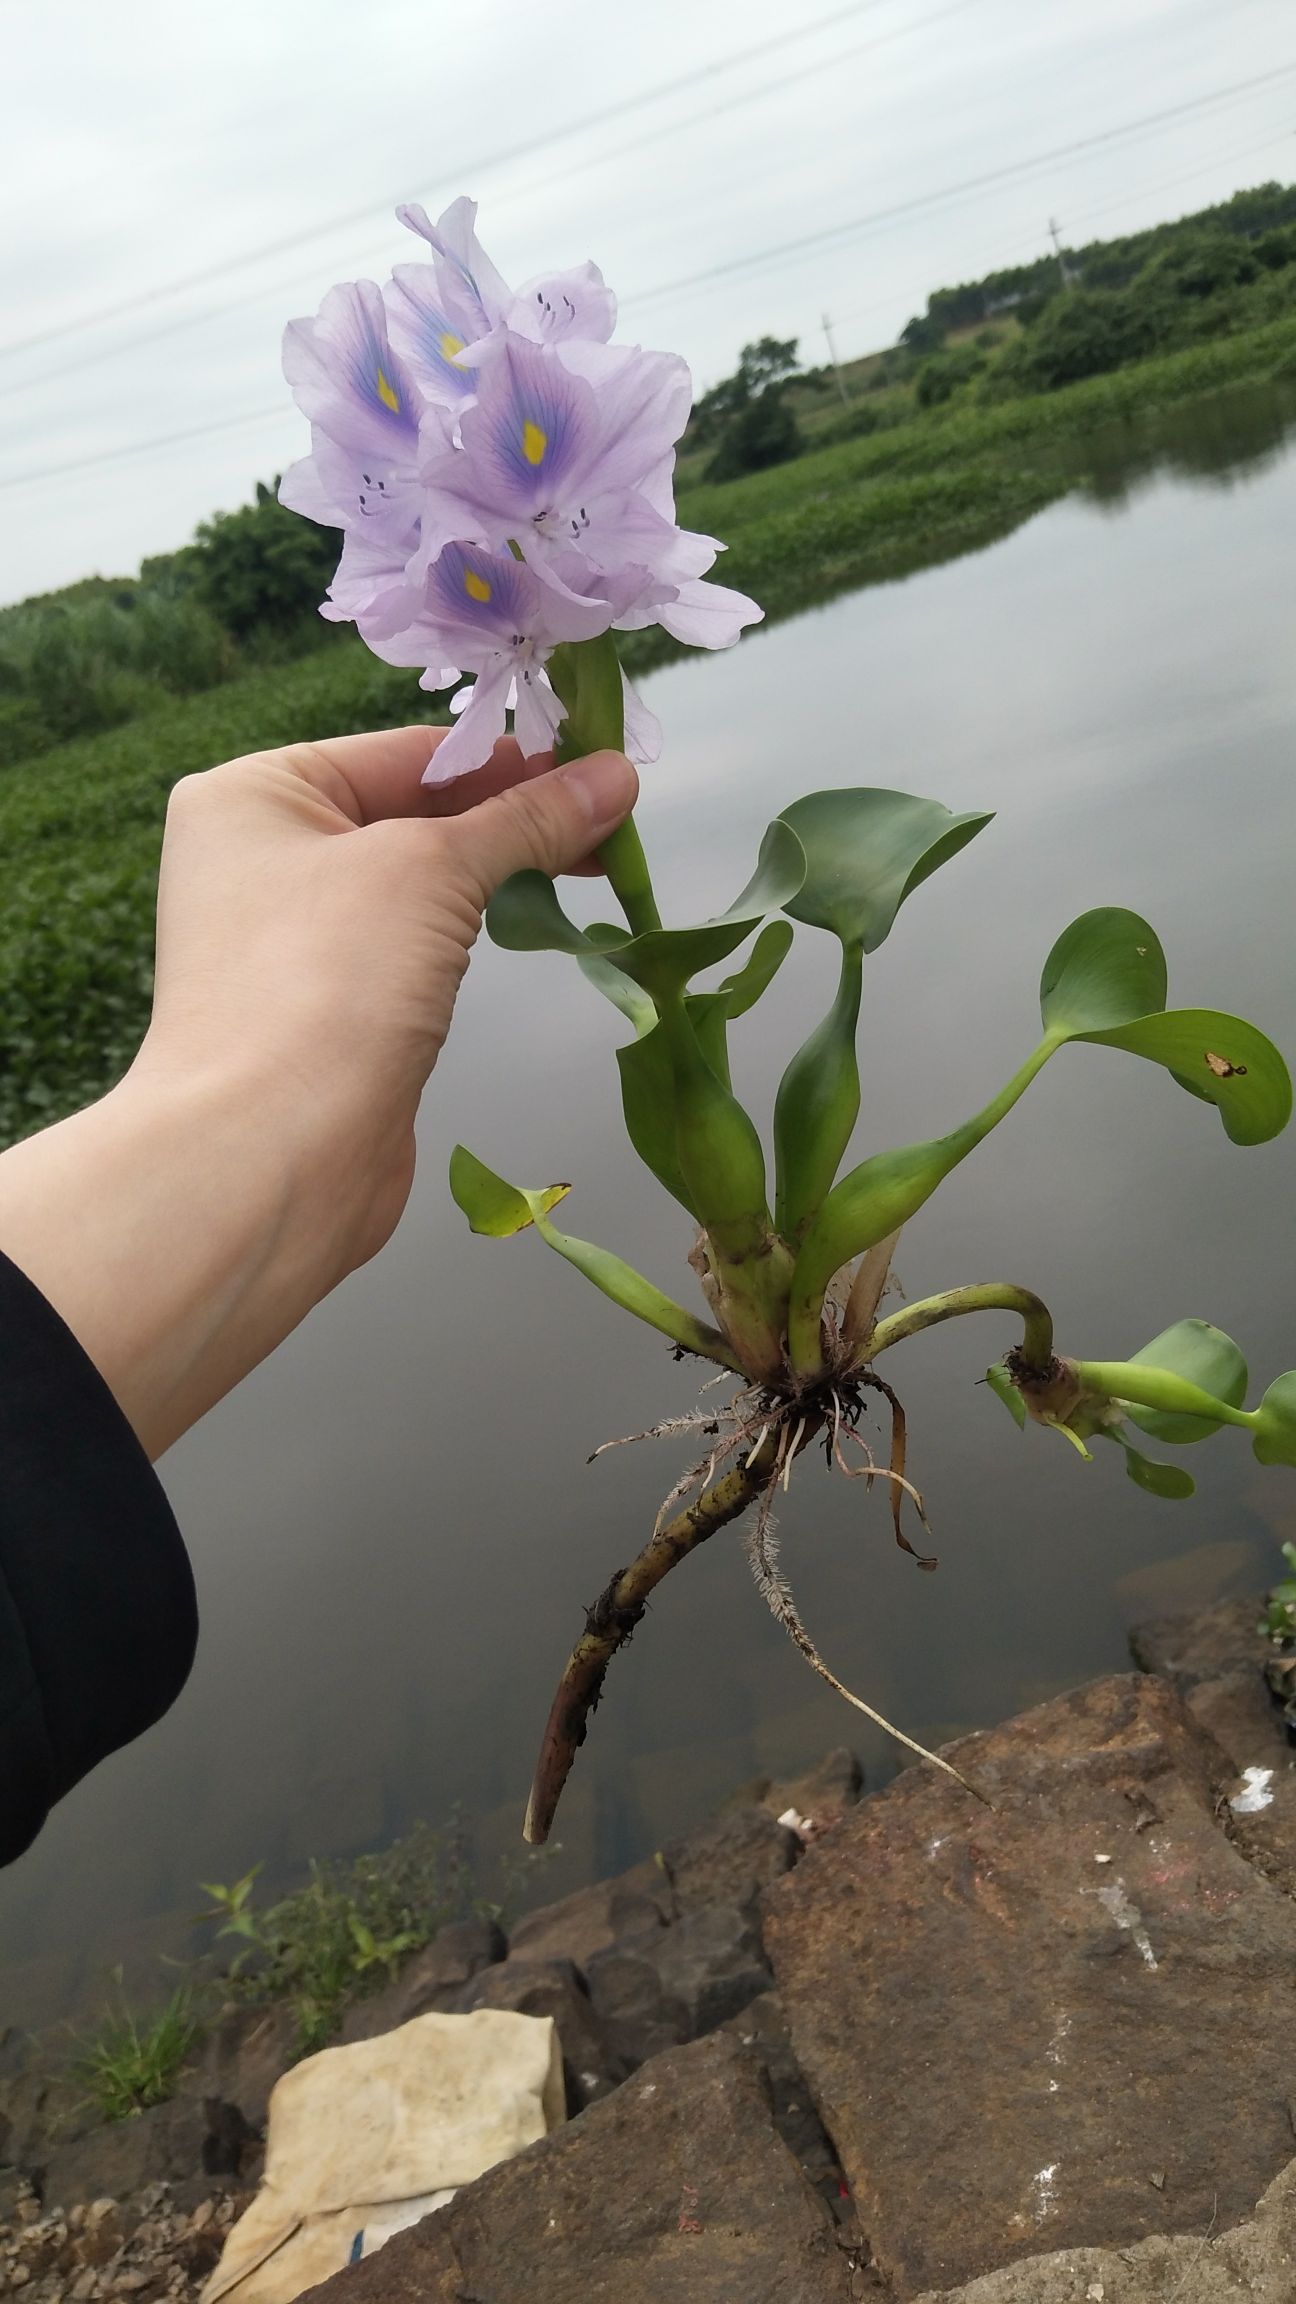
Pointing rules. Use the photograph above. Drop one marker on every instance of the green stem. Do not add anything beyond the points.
(878, 1197)
(586, 674)
(993, 1296)
(1158, 1388)
(622, 858)
(616, 1279)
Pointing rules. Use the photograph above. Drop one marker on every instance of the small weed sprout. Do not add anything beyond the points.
(133, 2062)
(349, 1928)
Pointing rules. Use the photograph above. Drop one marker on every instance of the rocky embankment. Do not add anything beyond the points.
(1027, 2048)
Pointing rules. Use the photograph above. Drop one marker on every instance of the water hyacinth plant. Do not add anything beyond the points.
(504, 477)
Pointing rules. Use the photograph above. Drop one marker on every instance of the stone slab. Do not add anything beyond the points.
(676, 2190)
(1060, 2021)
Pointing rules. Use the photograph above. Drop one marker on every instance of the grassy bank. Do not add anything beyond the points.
(80, 831)
(80, 827)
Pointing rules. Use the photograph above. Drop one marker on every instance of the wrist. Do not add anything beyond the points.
(181, 1227)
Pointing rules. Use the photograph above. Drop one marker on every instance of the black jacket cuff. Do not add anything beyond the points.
(98, 1619)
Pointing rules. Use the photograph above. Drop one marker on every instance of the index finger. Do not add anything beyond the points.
(383, 772)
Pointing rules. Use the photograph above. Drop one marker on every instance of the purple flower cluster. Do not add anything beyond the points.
(503, 476)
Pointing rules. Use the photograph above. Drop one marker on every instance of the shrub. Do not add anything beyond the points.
(263, 569)
(946, 373)
(763, 433)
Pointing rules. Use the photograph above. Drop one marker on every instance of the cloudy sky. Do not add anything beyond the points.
(181, 180)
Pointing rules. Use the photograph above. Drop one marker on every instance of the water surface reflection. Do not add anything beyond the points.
(392, 1523)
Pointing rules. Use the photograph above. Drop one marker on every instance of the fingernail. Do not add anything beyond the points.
(605, 784)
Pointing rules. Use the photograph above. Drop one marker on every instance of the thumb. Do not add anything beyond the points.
(550, 823)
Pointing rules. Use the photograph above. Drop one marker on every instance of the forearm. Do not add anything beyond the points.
(178, 1233)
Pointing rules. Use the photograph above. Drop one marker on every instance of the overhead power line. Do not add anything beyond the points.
(969, 184)
(141, 447)
(477, 167)
(558, 176)
(880, 217)
(997, 261)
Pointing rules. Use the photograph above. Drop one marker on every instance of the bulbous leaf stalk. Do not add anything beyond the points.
(955, 1304)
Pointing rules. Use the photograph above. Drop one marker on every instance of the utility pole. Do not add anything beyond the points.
(1057, 250)
(836, 368)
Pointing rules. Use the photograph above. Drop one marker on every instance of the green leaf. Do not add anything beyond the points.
(1275, 1439)
(664, 960)
(1106, 968)
(866, 850)
(1168, 1480)
(1220, 1058)
(617, 987)
(817, 1106)
(767, 956)
(1105, 982)
(648, 1104)
(501, 1210)
(524, 915)
(1204, 1356)
(711, 1013)
(1003, 1388)
(491, 1206)
(877, 1198)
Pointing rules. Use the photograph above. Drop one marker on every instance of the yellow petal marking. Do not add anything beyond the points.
(534, 442)
(450, 345)
(387, 395)
(476, 586)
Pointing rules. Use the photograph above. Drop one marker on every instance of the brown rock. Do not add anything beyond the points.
(637, 2016)
(580, 1925)
(677, 2190)
(1256, 2260)
(1012, 2018)
(823, 1793)
(711, 1961)
(1216, 1658)
(1267, 1834)
(728, 1860)
(245, 2051)
(162, 2145)
(553, 1988)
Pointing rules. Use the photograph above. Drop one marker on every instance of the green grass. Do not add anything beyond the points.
(80, 834)
(80, 827)
(132, 2062)
(350, 1927)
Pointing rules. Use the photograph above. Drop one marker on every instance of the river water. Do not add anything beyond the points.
(393, 1525)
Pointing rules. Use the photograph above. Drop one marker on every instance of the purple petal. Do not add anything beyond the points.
(643, 730)
(562, 304)
(422, 332)
(526, 438)
(346, 377)
(708, 615)
(537, 715)
(343, 487)
(475, 733)
(473, 294)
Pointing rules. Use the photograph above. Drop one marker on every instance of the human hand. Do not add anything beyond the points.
(316, 910)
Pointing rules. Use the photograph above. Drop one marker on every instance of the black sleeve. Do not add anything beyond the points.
(98, 1620)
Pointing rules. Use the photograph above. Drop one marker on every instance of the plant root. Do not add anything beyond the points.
(756, 1438)
(772, 1584)
(613, 1618)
